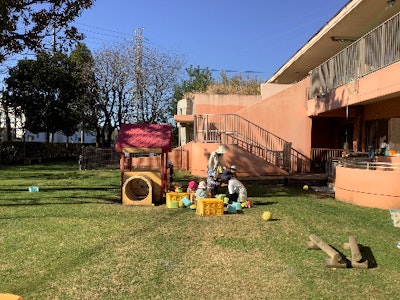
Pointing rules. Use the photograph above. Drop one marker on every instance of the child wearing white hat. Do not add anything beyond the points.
(201, 191)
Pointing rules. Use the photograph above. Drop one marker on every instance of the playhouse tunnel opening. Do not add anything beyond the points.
(137, 188)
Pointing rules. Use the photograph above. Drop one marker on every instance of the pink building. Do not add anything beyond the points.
(339, 95)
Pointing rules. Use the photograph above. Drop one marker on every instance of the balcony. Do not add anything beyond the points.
(374, 51)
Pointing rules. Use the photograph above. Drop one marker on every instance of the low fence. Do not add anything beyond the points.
(321, 158)
(358, 162)
(18, 152)
(369, 165)
(100, 158)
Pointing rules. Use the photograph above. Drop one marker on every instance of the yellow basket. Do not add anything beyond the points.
(210, 207)
(174, 197)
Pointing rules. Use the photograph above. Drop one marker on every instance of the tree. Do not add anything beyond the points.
(133, 93)
(7, 110)
(25, 24)
(46, 93)
(199, 79)
(113, 69)
(83, 65)
(160, 75)
(237, 85)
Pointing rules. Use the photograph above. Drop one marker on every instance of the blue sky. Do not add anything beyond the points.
(254, 37)
(244, 36)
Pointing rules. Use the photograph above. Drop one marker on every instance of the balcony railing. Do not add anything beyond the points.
(370, 165)
(375, 50)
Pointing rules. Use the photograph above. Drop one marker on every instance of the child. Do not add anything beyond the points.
(201, 191)
(212, 184)
(192, 187)
(170, 167)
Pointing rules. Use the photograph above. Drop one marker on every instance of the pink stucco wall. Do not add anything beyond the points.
(222, 104)
(285, 115)
(388, 109)
(369, 188)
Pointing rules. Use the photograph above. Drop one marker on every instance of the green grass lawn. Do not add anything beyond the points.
(74, 240)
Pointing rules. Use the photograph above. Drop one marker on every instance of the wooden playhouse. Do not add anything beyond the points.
(144, 152)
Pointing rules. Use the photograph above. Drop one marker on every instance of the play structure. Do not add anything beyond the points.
(144, 182)
(337, 259)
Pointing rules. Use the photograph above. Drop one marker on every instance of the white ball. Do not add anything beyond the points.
(398, 245)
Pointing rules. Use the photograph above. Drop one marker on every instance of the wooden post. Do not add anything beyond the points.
(357, 260)
(355, 250)
(336, 259)
(332, 253)
(331, 263)
(311, 246)
(122, 168)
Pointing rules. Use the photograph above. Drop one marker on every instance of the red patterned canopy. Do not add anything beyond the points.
(144, 136)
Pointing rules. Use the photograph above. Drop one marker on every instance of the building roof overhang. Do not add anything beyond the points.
(354, 20)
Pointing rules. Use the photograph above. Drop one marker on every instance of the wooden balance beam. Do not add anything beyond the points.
(357, 260)
(335, 260)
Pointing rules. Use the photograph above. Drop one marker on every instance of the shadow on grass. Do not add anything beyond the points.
(274, 220)
(36, 203)
(367, 254)
(259, 203)
(51, 189)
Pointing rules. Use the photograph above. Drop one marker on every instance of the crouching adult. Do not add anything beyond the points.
(237, 192)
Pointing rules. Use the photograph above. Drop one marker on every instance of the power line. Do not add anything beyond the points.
(104, 29)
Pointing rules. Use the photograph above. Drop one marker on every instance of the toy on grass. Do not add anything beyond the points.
(305, 187)
(267, 215)
(178, 188)
(186, 202)
(398, 245)
(246, 204)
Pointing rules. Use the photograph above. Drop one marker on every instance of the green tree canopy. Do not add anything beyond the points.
(46, 92)
(83, 65)
(24, 24)
(198, 81)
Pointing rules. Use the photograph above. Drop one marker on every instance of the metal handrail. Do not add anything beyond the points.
(369, 165)
(234, 129)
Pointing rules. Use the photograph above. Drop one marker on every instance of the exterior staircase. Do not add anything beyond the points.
(235, 130)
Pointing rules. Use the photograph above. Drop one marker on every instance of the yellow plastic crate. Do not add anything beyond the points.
(173, 197)
(210, 207)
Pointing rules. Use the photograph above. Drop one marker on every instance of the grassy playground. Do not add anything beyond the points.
(73, 240)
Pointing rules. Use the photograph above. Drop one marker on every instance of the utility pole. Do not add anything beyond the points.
(54, 40)
(138, 96)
